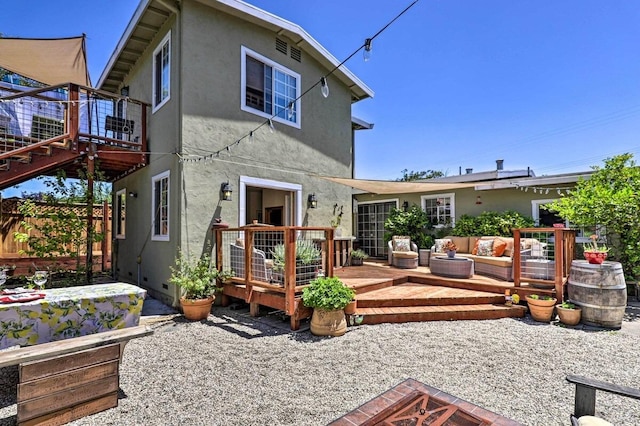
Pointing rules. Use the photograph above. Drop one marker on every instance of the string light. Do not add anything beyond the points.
(325, 87)
(366, 53)
(546, 190)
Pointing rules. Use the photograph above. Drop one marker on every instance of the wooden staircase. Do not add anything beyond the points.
(391, 295)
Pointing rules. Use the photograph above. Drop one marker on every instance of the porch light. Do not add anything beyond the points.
(405, 206)
(226, 190)
(367, 50)
(312, 201)
(478, 200)
(324, 87)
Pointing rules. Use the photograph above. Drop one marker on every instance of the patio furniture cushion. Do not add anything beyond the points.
(401, 243)
(589, 421)
(499, 247)
(440, 244)
(405, 254)
(483, 248)
(462, 243)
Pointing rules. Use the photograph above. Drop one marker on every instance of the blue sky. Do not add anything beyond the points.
(551, 85)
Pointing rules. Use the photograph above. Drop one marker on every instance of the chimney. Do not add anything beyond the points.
(499, 164)
(469, 171)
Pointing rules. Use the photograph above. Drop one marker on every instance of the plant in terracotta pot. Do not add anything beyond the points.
(594, 253)
(541, 307)
(198, 281)
(357, 257)
(328, 296)
(569, 313)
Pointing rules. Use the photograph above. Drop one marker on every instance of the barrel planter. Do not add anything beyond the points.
(601, 292)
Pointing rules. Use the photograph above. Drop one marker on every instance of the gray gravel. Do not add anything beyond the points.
(237, 370)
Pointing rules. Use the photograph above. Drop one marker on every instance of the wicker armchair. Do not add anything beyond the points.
(402, 252)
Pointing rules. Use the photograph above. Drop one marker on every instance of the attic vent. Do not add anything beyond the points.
(296, 54)
(281, 46)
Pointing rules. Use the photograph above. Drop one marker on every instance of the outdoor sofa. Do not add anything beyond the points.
(493, 256)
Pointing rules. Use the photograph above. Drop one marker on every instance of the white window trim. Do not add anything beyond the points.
(388, 200)
(243, 87)
(165, 40)
(269, 184)
(118, 213)
(452, 207)
(155, 179)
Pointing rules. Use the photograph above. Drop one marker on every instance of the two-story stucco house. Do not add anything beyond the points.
(225, 81)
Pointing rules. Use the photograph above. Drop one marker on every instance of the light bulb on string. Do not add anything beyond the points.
(290, 111)
(271, 128)
(324, 87)
(251, 136)
(366, 53)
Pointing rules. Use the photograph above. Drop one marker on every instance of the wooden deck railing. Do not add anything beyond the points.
(264, 257)
(543, 262)
(39, 117)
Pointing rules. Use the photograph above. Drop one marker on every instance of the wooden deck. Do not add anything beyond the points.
(386, 294)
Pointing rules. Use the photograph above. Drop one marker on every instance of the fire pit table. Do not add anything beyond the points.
(453, 267)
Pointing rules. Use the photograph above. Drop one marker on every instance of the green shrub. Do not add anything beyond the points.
(327, 293)
(413, 223)
(491, 223)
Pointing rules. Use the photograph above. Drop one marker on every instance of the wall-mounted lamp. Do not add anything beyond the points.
(226, 190)
(405, 206)
(124, 91)
(478, 200)
(133, 194)
(312, 201)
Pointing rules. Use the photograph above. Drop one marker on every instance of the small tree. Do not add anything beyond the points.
(610, 201)
(53, 228)
(409, 176)
(413, 223)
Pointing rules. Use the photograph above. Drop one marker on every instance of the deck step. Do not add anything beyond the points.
(415, 294)
(400, 314)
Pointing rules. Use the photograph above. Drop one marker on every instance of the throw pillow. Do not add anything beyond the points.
(401, 244)
(485, 248)
(440, 244)
(499, 246)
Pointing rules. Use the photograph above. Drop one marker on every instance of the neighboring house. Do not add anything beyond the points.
(213, 71)
(465, 194)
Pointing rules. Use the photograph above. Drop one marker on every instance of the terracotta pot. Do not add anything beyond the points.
(569, 316)
(350, 309)
(541, 310)
(595, 257)
(196, 309)
(328, 323)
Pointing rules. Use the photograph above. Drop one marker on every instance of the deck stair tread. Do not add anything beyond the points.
(410, 294)
(397, 314)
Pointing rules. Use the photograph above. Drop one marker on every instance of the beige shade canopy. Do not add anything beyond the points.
(397, 187)
(48, 61)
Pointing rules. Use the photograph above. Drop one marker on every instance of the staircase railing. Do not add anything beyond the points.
(65, 114)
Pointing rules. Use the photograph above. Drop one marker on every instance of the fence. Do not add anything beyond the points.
(10, 250)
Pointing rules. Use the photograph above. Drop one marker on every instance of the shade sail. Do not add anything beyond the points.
(49, 61)
(396, 187)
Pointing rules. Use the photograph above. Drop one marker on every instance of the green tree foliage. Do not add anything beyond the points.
(413, 223)
(610, 201)
(491, 223)
(56, 226)
(408, 176)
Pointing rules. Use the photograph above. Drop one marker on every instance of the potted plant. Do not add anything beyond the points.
(594, 253)
(328, 296)
(569, 313)
(198, 281)
(337, 220)
(357, 257)
(451, 249)
(9, 270)
(308, 259)
(541, 307)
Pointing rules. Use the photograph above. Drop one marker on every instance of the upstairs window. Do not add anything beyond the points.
(269, 89)
(162, 72)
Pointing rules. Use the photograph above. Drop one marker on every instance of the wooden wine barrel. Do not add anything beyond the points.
(601, 292)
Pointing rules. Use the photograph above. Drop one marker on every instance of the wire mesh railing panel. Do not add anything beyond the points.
(538, 255)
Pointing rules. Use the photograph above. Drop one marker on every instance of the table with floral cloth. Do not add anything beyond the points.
(70, 312)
